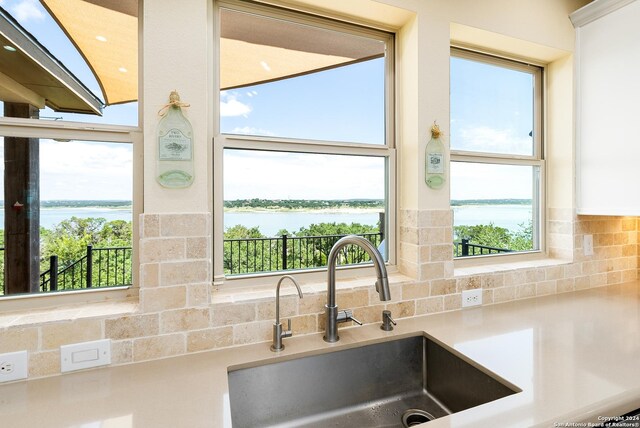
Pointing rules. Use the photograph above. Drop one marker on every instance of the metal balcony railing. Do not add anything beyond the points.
(99, 267)
(464, 249)
(255, 255)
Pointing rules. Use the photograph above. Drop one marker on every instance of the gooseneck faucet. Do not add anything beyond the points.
(278, 333)
(333, 316)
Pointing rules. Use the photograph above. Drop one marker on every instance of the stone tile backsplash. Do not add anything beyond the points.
(179, 311)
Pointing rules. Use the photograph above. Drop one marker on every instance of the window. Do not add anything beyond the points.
(73, 220)
(68, 110)
(497, 167)
(305, 140)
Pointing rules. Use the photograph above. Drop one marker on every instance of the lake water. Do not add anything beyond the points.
(507, 216)
(270, 222)
(49, 217)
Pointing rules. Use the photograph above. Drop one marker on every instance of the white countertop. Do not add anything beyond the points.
(576, 356)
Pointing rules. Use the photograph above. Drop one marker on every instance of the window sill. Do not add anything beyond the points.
(26, 310)
(224, 295)
(508, 266)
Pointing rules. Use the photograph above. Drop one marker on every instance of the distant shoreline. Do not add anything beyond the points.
(280, 205)
(89, 207)
(341, 210)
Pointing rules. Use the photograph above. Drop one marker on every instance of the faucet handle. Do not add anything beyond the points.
(287, 332)
(346, 315)
(355, 320)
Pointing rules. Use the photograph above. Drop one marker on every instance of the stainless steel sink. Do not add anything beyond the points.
(397, 383)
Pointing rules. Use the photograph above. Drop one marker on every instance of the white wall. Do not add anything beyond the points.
(176, 55)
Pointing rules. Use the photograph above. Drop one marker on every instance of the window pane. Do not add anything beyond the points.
(491, 108)
(494, 208)
(85, 194)
(284, 79)
(313, 199)
(34, 18)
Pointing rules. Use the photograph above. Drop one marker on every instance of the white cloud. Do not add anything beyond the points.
(485, 139)
(230, 106)
(490, 181)
(85, 170)
(250, 130)
(27, 10)
(278, 175)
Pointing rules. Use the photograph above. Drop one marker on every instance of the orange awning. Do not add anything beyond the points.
(106, 34)
(253, 49)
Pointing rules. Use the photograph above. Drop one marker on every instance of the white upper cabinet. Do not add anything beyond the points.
(608, 107)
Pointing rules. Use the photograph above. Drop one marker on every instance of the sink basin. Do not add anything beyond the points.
(396, 383)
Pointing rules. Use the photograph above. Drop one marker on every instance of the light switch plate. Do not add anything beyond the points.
(85, 355)
(13, 366)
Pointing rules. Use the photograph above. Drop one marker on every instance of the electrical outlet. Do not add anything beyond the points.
(13, 366)
(587, 245)
(472, 297)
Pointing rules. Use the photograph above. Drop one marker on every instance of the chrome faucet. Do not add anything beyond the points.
(278, 333)
(333, 316)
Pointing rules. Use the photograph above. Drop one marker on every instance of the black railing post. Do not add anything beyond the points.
(465, 247)
(53, 273)
(284, 252)
(89, 266)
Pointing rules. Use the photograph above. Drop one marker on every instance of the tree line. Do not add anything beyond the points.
(312, 204)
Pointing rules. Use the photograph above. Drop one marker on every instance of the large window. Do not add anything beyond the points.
(497, 167)
(70, 226)
(305, 139)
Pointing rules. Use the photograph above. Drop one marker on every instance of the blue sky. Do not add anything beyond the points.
(492, 109)
(342, 104)
(76, 169)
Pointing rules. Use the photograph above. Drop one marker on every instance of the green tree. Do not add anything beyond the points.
(494, 236)
(245, 251)
(314, 252)
(69, 240)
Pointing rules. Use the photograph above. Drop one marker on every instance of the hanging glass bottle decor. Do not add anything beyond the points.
(434, 159)
(175, 145)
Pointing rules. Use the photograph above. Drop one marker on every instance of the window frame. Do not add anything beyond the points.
(300, 145)
(536, 159)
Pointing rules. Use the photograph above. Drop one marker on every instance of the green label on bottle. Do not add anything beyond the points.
(175, 146)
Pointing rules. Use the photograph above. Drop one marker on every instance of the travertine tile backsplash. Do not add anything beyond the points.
(180, 312)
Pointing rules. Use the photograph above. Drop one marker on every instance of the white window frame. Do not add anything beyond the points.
(228, 141)
(534, 160)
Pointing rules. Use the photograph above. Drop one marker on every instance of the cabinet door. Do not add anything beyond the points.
(608, 110)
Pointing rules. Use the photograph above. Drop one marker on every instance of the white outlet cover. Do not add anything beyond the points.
(472, 297)
(587, 245)
(13, 366)
(85, 355)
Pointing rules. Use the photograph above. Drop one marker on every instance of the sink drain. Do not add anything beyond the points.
(413, 417)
